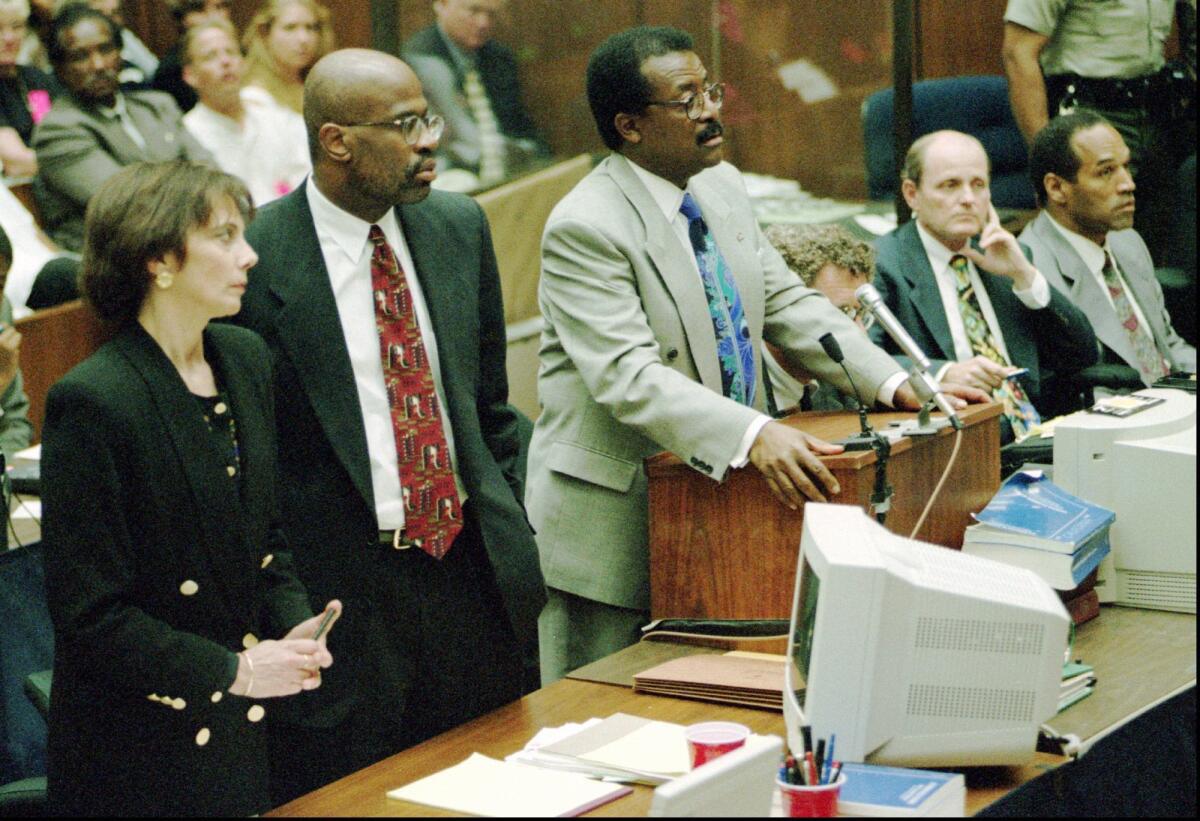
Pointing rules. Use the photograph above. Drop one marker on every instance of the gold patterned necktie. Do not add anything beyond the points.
(1021, 413)
(491, 141)
(1150, 363)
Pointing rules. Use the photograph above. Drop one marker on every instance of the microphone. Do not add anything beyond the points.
(870, 297)
(866, 439)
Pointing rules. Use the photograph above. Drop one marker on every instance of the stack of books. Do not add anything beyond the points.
(1078, 682)
(1033, 523)
(880, 792)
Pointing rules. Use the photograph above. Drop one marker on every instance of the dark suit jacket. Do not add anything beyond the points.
(136, 503)
(1055, 340)
(328, 502)
(498, 72)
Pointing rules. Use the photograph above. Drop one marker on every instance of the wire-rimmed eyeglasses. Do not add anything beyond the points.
(412, 126)
(693, 104)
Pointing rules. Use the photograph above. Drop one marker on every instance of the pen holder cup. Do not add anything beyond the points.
(800, 801)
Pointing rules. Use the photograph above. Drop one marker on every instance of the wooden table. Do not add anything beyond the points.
(1141, 657)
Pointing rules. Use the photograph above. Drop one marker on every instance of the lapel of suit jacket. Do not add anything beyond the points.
(203, 467)
(114, 137)
(160, 142)
(924, 293)
(677, 273)
(310, 330)
(1085, 290)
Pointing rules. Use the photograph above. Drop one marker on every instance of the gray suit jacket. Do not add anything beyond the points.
(1065, 270)
(629, 366)
(78, 149)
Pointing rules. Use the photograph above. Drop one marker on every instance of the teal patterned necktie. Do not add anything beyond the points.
(735, 349)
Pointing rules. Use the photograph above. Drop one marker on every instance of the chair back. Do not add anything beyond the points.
(975, 105)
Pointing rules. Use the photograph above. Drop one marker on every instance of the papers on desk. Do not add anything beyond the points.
(32, 453)
(620, 747)
(484, 786)
(754, 680)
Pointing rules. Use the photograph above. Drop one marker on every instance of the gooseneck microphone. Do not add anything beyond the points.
(919, 372)
(864, 440)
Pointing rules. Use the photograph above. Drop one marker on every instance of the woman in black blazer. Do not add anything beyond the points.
(164, 566)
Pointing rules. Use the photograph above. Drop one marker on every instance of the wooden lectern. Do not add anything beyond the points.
(728, 550)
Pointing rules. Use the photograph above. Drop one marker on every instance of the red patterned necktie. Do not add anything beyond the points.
(432, 513)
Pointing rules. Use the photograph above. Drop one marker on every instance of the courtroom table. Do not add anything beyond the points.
(506, 730)
(702, 532)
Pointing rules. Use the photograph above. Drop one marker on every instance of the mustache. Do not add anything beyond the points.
(421, 162)
(713, 129)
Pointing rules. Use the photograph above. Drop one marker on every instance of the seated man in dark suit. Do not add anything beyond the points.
(95, 129)
(169, 76)
(979, 312)
(471, 80)
(1085, 244)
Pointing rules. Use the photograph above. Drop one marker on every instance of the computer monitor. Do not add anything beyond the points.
(1143, 468)
(739, 784)
(917, 655)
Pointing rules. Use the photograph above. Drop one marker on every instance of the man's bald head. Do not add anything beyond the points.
(353, 85)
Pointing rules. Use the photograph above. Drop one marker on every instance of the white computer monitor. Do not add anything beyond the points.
(917, 655)
(1143, 468)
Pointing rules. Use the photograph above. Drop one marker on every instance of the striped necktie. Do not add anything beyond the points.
(735, 349)
(491, 141)
(1150, 363)
(1021, 413)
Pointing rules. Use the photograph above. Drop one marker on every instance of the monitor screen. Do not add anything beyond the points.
(915, 654)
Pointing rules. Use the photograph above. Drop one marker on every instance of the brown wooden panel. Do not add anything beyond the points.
(728, 550)
(960, 38)
(52, 342)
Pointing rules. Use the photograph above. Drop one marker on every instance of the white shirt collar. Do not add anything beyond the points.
(1093, 255)
(347, 231)
(667, 195)
(939, 255)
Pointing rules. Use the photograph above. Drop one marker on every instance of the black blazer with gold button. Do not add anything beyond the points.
(160, 565)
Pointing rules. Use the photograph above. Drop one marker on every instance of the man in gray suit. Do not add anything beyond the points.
(1085, 244)
(96, 129)
(657, 290)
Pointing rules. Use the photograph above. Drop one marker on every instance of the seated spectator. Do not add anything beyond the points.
(138, 61)
(15, 429)
(830, 259)
(169, 77)
(262, 143)
(1085, 243)
(471, 80)
(25, 93)
(95, 128)
(282, 43)
(965, 290)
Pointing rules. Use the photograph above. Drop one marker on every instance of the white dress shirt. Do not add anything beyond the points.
(1036, 297)
(267, 150)
(669, 197)
(1093, 258)
(347, 253)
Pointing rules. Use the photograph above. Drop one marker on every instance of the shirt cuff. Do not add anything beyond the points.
(887, 391)
(1037, 295)
(941, 372)
(742, 456)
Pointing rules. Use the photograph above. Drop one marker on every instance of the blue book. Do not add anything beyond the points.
(1031, 511)
(896, 791)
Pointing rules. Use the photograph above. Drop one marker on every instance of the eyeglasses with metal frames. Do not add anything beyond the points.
(693, 104)
(412, 126)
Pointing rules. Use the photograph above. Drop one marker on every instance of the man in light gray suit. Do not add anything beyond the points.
(1085, 245)
(657, 290)
(96, 129)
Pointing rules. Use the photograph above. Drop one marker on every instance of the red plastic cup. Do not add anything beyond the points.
(712, 739)
(820, 801)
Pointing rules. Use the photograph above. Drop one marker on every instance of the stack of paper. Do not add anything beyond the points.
(484, 786)
(1078, 682)
(749, 680)
(895, 791)
(621, 747)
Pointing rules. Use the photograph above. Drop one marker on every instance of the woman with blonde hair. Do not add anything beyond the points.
(282, 42)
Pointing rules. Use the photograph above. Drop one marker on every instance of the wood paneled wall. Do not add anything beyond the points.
(772, 129)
